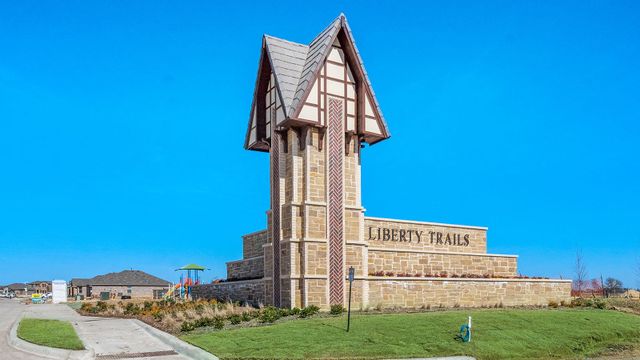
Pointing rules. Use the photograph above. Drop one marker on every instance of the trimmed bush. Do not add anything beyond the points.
(187, 326)
(269, 314)
(309, 311)
(336, 309)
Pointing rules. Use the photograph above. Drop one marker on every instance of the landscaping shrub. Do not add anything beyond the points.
(295, 311)
(269, 314)
(101, 306)
(218, 322)
(87, 307)
(553, 304)
(309, 311)
(246, 316)
(336, 309)
(147, 305)
(187, 326)
(235, 319)
(157, 315)
(283, 312)
(131, 309)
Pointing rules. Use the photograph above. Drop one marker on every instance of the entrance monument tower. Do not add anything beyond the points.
(313, 109)
(313, 112)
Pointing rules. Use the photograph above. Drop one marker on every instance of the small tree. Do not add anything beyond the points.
(596, 287)
(613, 286)
(580, 280)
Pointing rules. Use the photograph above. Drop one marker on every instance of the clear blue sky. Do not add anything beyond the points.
(122, 125)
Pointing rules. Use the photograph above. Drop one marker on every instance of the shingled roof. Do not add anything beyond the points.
(288, 59)
(296, 66)
(128, 278)
(317, 52)
(122, 278)
(79, 282)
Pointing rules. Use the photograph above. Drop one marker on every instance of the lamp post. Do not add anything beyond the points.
(352, 272)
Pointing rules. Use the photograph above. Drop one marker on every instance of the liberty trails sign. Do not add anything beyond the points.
(417, 236)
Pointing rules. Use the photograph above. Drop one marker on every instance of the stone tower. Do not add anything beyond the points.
(313, 109)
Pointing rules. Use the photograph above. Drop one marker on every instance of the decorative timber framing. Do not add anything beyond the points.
(296, 71)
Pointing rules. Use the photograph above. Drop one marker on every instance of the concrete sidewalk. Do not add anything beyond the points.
(107, 338)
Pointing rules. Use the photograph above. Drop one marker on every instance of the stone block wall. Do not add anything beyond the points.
(252, 244)
(412, 262)
(414, 293)
(246, 269)
(251, 292)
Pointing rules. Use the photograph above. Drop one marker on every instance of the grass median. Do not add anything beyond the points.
(497, 334)
(52, 333)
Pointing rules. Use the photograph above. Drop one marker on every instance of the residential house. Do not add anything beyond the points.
(133, 283)
(40, 287)
(20, 289)
(79, 287)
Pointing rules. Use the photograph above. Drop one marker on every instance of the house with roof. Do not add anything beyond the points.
(116, 285)
(19, 289)
(40, 286)
(78, 287)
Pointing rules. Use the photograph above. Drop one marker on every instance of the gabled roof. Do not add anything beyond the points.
(79, 282)
(17, 286)
(296, 66)
(318, 51)
(288, 60)
(128, 278)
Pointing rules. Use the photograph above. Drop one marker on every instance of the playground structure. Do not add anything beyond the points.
(182, 290)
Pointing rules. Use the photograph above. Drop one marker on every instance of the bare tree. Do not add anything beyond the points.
(581, 273)
(613, 286)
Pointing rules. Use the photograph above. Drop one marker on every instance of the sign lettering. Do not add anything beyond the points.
(418, 236)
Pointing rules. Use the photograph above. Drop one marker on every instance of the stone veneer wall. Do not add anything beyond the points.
(252, 244)
(246, 291)
(412, 262)
(246, 269)
(466, 293)
(415, 293)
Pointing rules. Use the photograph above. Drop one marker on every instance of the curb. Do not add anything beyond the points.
(178, 345)
(43, 351)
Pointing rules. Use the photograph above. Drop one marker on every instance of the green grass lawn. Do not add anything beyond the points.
(497, 334)
(52, 333)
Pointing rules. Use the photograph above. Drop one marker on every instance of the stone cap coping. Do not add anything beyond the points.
(254, 233)
(236, 281)
(247, 259)
(426, 223)
(419, 251)
(394, 278)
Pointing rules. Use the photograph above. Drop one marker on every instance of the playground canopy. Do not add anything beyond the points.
(192, 267)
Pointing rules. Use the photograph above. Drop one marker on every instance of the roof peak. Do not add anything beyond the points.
(284, 40)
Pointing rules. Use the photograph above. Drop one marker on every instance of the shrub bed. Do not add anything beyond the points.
(187, 316)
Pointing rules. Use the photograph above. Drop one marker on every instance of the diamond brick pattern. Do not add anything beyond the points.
(335, 137)
(275, 213)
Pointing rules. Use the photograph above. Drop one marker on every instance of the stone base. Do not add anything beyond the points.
(245, 291)
(433, 292)
(385, 292)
